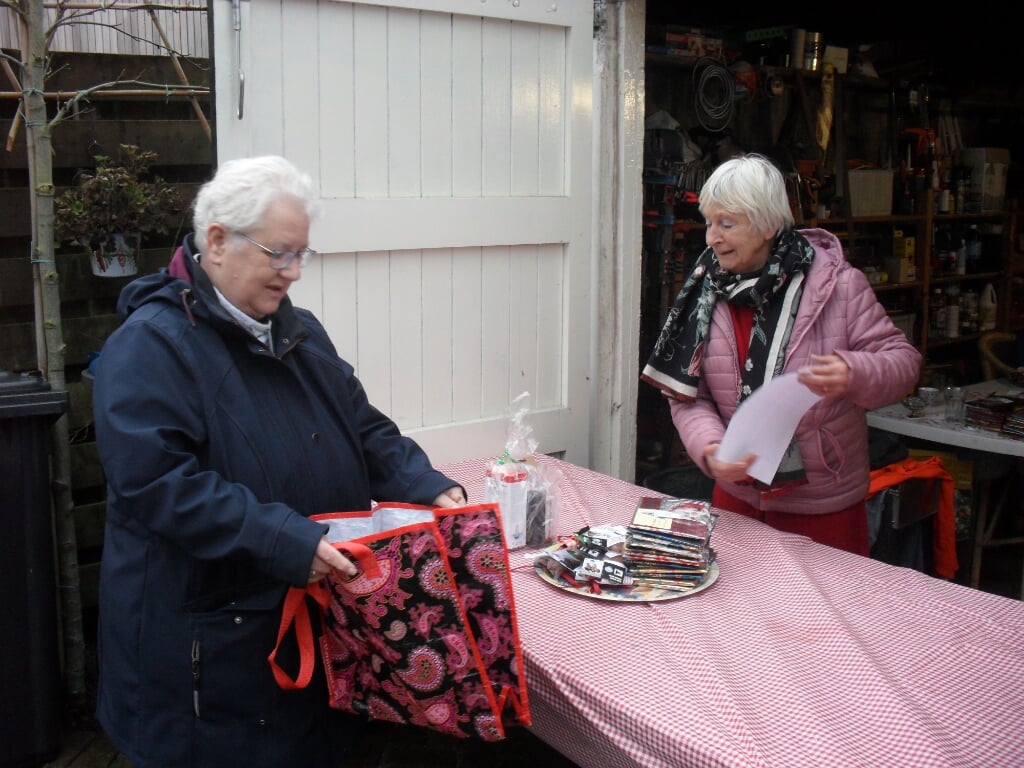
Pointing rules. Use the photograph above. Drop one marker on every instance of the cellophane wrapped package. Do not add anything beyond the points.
(525, 492)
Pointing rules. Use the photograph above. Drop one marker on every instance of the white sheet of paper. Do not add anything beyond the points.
(764, 424)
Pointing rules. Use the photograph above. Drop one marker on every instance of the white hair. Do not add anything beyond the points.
(751, 185)
(241, 190)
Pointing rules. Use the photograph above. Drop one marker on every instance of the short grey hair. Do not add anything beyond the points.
(241, 190)
(751, 185)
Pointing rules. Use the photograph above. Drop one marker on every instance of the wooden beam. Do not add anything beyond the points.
(120, 93)
(73, 141)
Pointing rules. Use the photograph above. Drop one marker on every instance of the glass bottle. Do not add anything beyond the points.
(943, 254)
(988, 308)
(938, 313)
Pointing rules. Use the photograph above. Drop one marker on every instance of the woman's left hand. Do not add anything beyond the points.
(328, 558)
(453, 497)
(827, 375)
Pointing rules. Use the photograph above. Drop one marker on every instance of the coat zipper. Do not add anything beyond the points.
(195, 676)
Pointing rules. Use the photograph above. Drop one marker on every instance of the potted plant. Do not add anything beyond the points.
(109, 210)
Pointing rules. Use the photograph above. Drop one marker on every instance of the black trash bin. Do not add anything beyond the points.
(30, 659)
(681, 482)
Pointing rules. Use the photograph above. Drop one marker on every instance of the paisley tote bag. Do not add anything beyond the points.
(425, 633)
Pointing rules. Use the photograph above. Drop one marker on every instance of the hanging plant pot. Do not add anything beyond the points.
(117, 256)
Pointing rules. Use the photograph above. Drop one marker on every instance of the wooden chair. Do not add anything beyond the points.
(998, 355)
(999, 352)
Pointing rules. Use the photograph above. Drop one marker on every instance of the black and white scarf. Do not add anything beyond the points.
(774, 292)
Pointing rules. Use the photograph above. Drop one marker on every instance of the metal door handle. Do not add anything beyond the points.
(236, 15)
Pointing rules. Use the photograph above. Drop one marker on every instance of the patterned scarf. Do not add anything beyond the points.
(774, 293)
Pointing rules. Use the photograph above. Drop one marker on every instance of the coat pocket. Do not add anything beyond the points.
(228, 651)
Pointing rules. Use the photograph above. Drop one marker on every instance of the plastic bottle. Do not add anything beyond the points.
(973, 242)
(952, 311)
(941, 248)
(987, 312)
(963, 189)
(961, 256)
(968, 312)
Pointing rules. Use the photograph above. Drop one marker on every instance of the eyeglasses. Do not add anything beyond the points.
(281, 259)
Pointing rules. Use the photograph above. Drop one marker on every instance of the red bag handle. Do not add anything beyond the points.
(363, 555)
(296, 611)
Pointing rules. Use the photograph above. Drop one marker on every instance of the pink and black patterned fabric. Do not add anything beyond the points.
(426, 633)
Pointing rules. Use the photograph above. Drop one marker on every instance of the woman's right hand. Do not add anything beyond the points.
(729, 471)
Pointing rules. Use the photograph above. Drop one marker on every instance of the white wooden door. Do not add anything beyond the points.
(451, 142)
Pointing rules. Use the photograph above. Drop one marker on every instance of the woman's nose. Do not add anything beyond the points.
(293, 271)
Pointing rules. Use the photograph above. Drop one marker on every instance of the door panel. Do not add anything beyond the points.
(443, 137)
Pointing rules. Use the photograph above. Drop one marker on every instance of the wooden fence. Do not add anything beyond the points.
(122, 27)
(185, 155)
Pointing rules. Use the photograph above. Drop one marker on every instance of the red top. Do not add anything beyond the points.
(743, 324)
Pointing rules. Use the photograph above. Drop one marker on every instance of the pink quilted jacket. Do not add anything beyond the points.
(838, 314)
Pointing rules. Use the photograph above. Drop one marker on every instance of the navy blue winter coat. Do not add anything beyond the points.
(216, 450)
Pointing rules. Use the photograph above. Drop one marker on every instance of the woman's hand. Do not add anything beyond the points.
(326, 558)
(453, 497)
(730, 471)
(827, 375)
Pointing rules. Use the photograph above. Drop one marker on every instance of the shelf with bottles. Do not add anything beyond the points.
(960, 311)
(966, 249)
(886, 248)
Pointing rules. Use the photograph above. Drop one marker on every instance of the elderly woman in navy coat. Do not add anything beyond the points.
(224, 418)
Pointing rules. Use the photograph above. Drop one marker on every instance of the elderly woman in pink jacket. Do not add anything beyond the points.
(763, 299)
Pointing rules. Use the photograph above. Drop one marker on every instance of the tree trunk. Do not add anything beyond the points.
(51, 356)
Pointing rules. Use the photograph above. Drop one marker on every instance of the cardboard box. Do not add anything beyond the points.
(902, 265)
(989, 165)
(903, 246)
(692, 41)
(870, 192)
(901, 270)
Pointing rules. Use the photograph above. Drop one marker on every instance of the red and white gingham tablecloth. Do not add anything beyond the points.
(798, 655)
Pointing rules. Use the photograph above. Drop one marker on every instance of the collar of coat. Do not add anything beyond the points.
(199, 298)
